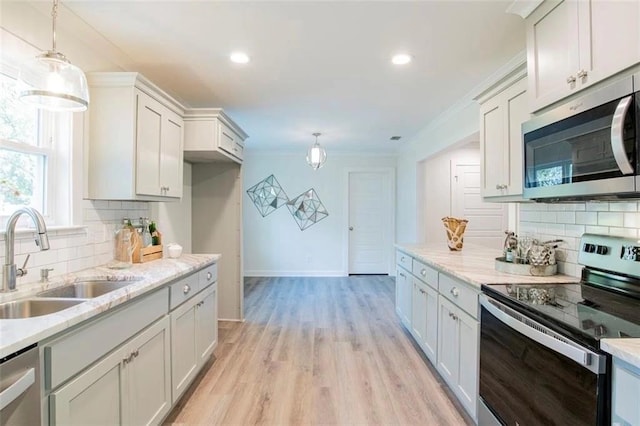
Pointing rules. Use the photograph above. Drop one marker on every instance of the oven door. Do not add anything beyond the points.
(584, 149)
(530, 375)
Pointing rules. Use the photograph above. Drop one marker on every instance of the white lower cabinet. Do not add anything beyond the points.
(129, 386)
(194, 331)
(403, 296)
(424, 318)
(625, 382)
(458, 353)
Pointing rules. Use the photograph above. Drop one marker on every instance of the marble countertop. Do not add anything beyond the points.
(16, 334)
(474, 264)
(626, 349)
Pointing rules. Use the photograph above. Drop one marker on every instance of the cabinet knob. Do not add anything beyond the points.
(209, 276)
(455, 292)
(402, 259)
(571, 79)
(186, 289)
(582, 74)
(423, 272)
(402, 275)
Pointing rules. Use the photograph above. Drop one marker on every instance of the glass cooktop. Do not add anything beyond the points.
(586, 312)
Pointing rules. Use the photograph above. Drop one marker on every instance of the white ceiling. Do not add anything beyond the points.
(315, 65)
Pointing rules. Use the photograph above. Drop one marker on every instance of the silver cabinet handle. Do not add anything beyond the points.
(351, 229)
(571, 79)
(403, 275)
(186, 289)
(209, 275)
(423, 272)
(17, 388)
(582, 74)
(402, 259)
(455, 292)
(617, 136)
(498, 186)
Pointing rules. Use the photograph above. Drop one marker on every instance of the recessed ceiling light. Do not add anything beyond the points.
(401, 59)
(239, 57)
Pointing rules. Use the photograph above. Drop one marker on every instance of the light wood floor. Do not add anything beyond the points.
(318, 351)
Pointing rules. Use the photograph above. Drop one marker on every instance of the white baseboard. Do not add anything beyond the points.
(294, 274)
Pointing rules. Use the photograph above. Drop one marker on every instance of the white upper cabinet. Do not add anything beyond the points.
(211, 135)
(503, 109)
(135, 144)
(572, 44)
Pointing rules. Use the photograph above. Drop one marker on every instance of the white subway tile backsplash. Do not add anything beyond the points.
(530, 216)
(115, 205)
(631, 220)
(610, 219)
(566, 217)
(548, 216)
(574, 230)
(624, 232)
(597, 206)
(587, 218)
(623, 206)
(597, 230)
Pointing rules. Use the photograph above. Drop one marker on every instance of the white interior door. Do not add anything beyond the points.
(487, 221)
(370, 222)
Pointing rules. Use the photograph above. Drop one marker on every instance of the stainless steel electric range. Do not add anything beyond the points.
(540, 356)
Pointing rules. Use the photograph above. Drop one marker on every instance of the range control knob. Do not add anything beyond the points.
(603, 250)
(589, 248)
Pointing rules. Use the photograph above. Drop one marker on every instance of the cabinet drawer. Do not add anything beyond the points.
(403, 260)
(459, 293)
(70, 354)
(208, 276)
(183, 290)
(425, 273)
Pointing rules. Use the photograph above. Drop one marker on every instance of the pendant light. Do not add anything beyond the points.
(51, 82)
(316, 156)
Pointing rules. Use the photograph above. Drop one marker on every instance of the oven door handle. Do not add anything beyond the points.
(617, 136)
(17, 388)
(583, 357)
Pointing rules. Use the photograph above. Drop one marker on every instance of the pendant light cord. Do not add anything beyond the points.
(54, 15)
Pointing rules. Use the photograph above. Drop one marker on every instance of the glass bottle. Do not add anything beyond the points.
(146, 234)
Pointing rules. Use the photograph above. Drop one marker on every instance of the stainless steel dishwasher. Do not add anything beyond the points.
(20, 388)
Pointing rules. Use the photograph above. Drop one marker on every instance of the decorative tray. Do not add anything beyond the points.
(525, 269)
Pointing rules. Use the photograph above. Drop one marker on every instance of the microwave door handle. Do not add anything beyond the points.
(617, 136)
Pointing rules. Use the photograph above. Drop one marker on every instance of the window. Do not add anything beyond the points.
(33, 146)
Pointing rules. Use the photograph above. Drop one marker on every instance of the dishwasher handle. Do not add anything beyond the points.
(17, 388)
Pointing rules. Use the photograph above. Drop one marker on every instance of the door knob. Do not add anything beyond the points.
(351, 228)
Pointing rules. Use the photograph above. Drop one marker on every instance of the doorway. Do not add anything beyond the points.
(370, 221)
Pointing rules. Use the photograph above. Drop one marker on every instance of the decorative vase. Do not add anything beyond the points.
(455, 230)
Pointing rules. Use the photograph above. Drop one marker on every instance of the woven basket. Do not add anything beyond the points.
(455, 230)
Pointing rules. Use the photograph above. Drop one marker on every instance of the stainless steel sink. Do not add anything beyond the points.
(85, 289)
(35, 307)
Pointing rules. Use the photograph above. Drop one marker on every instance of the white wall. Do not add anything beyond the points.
(274, 245)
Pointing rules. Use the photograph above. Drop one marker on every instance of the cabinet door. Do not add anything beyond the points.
(184, 356)
(430, 342)
(94, 397)
(149, 375)
(625, 382)
(492, 142)
(552, 51)
(418, 311)
(403, 296)
(467, 386)
(448, 347)
(517, 112)
(207, 323)
(148, 145)
(171, 163)
(610, 38)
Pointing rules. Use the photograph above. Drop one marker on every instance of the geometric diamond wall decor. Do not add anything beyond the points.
(307, 209)
(267, 195)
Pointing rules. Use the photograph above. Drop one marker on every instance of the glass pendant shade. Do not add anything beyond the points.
(51, 82)
(316, 156)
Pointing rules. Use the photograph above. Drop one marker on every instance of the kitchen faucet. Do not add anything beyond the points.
(9, 270)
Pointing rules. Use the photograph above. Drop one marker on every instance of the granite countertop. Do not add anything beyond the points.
(474, 264)
(16, 334)
(626, 349)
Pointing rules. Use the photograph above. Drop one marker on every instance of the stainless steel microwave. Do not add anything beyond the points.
(587, 148)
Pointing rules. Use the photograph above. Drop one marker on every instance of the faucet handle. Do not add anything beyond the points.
(20, 272)
(44, 274)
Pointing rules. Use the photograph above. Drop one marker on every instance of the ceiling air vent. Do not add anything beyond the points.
(395, 138)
